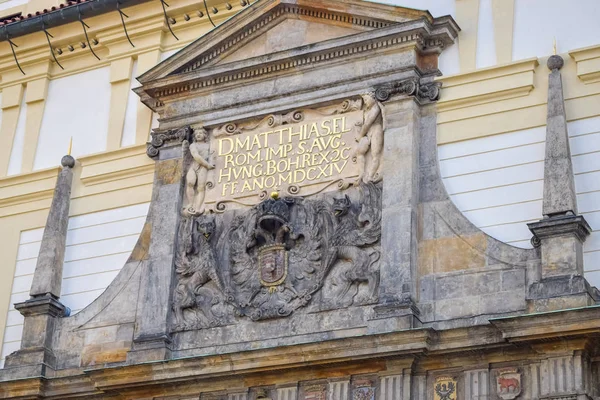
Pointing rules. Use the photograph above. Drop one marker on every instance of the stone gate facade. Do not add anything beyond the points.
(300, 243)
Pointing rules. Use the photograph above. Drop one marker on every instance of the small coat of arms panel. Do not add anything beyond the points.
(444, 388)
(273, 262)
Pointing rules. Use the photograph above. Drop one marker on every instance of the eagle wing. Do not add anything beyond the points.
(366, 228)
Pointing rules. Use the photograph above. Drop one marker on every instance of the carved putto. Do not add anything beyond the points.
(370, 140)
(277, 257)
(197, 174)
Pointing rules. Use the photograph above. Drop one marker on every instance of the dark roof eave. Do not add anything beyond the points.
(57, 16)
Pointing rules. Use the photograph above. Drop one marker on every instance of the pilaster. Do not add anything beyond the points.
(11, 106)
(467, 16)
(120, 75)
(287, 393)
(401, 163)
(477, 384)
(504, 11)
(37, 91)
(561, 232)
(391, 388)
(339, 390)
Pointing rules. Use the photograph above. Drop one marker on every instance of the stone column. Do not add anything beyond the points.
(287, 393)
(397, 286)
(391, 388)
(561, 232)
(152, 339)
(237, 396)
(44, 307)
(477, 384)
(418, 389)
(339, 390)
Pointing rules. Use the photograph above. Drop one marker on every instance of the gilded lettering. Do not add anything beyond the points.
(225, 140)
(326, 125)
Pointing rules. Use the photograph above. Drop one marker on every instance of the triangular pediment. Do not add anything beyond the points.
(288, 34)
(274, 26)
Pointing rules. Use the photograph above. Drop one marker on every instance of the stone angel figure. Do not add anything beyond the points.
(197, 174)
(370, 140)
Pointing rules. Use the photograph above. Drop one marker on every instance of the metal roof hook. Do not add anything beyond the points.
(84, 26)
(208, 14)
(12, 48)
(122, 14)
(48, 36)
(164, 3)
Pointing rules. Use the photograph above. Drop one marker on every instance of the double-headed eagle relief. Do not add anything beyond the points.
(279, 256)
(313, 243)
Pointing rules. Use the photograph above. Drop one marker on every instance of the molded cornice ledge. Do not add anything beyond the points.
(549, 325)
(115, 165)
(109, 166)
(190, 77)
(573, 328)
(588, 63)
(28, 187)
(487, 85)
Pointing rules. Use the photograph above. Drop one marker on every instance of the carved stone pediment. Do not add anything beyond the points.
(259, 30)
(276, 37)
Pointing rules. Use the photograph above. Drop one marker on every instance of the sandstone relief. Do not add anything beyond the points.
(313, 240)
(278, 256)
(370, 141)
(300, 153)
(197, 174)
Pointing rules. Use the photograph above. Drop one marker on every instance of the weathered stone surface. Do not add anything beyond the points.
(47, 278)
(368, 285)
(559, 182)
(449, 254)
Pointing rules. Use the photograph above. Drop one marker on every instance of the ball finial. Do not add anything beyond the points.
(67, 161)
(274, 195)
(555, 62)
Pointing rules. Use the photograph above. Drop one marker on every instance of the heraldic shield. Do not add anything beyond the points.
(273, 265)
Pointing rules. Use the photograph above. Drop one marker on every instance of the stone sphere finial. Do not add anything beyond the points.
(555, 62)
(67, 161)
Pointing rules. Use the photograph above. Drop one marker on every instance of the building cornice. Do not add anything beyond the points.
(588, 63)
(112, 166)
(486, 85)
(573, 329)
(146, 22)
(419, 34)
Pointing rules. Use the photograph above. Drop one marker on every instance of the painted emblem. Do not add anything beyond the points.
(445, 388)
(363, 390)
(315, 392)
(273, 264)
(508, 383)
